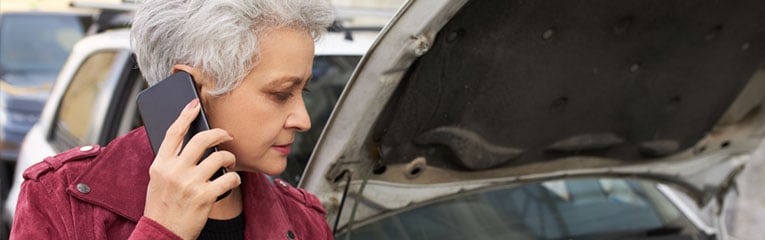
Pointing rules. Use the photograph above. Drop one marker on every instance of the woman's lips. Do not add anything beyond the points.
(284, 149)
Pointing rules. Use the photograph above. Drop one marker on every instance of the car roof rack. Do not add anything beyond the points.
(337, 26)
(346, 14)
(110, 16)
(124, 7)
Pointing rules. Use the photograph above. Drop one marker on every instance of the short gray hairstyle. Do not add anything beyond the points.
(218, 36)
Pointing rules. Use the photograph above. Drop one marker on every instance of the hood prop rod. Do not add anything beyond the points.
(349, 175)
(346, 173)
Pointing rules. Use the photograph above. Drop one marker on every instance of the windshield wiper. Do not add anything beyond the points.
(662, 231)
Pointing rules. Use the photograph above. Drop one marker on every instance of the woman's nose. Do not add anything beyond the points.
(299, 118)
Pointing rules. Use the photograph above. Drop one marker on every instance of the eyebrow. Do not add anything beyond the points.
(295, 81)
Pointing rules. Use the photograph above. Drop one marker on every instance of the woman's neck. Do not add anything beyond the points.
(229, 207)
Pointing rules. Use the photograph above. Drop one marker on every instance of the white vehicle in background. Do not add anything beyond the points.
(93, 100)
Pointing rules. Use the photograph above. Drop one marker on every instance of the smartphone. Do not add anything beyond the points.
(161, 104)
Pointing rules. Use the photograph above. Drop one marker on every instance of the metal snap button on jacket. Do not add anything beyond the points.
(86, 148)
(83, 188)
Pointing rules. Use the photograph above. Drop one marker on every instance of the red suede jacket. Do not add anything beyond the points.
(98, 192)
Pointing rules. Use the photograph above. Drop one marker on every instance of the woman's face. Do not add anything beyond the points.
(266, 110)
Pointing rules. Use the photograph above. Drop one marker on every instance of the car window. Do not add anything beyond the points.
(330, 74)
(130, 118)
(75, 114)
(37, 42)
(122, 115)
(564, 209)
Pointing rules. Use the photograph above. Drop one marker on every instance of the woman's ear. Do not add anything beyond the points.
(201, 81)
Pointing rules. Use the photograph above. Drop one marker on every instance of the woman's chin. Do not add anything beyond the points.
(272, 167)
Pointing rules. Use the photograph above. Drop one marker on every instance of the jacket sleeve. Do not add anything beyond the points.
(149, 229)
(38, 214)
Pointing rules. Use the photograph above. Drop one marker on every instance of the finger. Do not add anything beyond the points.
(223, 184)
(201, 142)
(174, 135)
(214, 162)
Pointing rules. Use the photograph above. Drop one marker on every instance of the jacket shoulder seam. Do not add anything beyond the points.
(53, 163)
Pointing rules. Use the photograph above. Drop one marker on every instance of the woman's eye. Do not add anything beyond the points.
(282, 96)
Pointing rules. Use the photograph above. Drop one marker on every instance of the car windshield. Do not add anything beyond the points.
(563, 209)
(37, 42)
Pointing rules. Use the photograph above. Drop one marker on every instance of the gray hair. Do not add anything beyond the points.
(218, 36)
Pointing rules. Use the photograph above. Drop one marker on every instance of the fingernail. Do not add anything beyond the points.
(193, 104)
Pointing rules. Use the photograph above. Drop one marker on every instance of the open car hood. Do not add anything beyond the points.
(461, 95)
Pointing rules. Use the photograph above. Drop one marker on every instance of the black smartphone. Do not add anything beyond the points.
(161, 104)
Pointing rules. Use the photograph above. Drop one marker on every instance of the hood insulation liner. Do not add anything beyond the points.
(513, 82)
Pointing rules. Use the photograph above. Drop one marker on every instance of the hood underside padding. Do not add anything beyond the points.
(539, 80)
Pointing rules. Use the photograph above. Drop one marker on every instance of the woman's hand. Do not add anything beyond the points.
(180, 194)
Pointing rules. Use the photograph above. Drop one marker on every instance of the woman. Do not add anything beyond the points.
(250, 61)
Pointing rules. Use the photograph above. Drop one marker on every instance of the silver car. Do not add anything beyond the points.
(546, 120)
